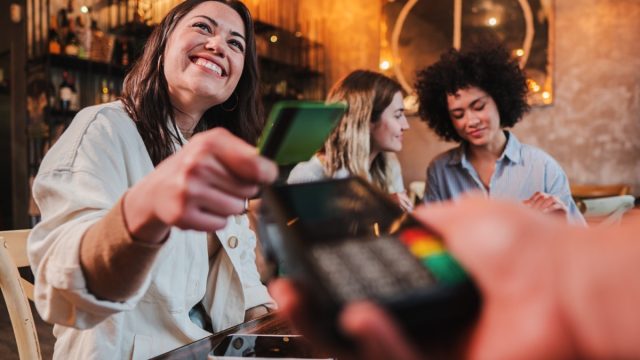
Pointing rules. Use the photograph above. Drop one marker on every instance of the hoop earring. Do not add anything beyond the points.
(234, 105)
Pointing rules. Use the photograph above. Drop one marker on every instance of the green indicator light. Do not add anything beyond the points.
(445, 268)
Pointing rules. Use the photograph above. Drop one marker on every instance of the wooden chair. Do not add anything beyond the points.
(603, 205)
(17, 292)
(416, 191)
(605, 211)
(585, 191)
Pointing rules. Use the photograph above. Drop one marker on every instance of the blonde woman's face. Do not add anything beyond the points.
(204, 56)
(387, 132)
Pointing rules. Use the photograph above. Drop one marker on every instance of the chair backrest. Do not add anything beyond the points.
(586, 191)
(13, 254)
(608, 210)
(416, 191)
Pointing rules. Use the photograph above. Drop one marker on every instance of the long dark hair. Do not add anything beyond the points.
(146, 98)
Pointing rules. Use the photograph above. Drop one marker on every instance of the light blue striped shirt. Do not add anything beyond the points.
(520, 172)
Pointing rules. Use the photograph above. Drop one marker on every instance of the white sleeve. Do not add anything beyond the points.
(79, 181)
(234, 285)
(255, 293)
(307, 171)
(395, 172)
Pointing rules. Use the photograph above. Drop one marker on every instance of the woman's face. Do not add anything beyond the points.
(204, 56)
(386, 133)
(475, 116)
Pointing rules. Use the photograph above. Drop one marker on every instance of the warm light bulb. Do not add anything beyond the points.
(385, 65)
(533, 85)
(84, 9)
(493, 21)
(520, 53)
(273, 38)
(546, 95)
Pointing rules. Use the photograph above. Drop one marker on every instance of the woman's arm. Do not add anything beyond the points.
(307, 171)
(197, 189)
(109, 254)
(557, 185)
(432, 191)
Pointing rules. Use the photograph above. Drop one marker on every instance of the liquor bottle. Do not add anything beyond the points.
(104, 92)
(72, 43)
(65, 92)
(55, 47)
(54, 42)
(83, 33)
(124, 61)
(75, 96)
(52, 94)
(63, 25)
(113, 94)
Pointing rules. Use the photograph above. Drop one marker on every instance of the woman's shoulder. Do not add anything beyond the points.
(109, 114)
(106, 116)
(447, 157)
(98, 126)
(306, 171)
(532, 153)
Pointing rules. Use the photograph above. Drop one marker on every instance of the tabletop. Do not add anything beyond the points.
(270, 324)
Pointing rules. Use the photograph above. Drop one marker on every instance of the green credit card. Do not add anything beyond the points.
(296, 130)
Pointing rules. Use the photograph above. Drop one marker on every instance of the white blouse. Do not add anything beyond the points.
(313, 170)
(82, 176)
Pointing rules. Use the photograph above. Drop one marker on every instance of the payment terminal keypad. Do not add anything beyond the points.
(384, 266)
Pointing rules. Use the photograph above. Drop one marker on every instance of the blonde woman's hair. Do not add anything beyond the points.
(367, 94)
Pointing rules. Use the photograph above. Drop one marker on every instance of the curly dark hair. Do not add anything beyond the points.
(489, 68)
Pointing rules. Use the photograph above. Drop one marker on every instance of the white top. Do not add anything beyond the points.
(313, 170)
(84, 174)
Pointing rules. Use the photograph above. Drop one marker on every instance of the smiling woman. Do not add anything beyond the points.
(129, 192)
(231, 47)
(203, 61)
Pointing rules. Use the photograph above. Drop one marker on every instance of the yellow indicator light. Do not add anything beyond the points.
(422, 248)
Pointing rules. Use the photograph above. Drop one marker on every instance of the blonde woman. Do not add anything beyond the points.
(364, 142)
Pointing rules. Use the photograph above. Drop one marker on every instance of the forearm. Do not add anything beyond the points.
(600, 292)
(114, 264)
(255, 312)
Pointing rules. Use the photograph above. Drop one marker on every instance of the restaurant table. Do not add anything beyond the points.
(270, 324)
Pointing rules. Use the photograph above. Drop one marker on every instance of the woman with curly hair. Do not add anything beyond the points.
(471, 98)
(367, 136)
